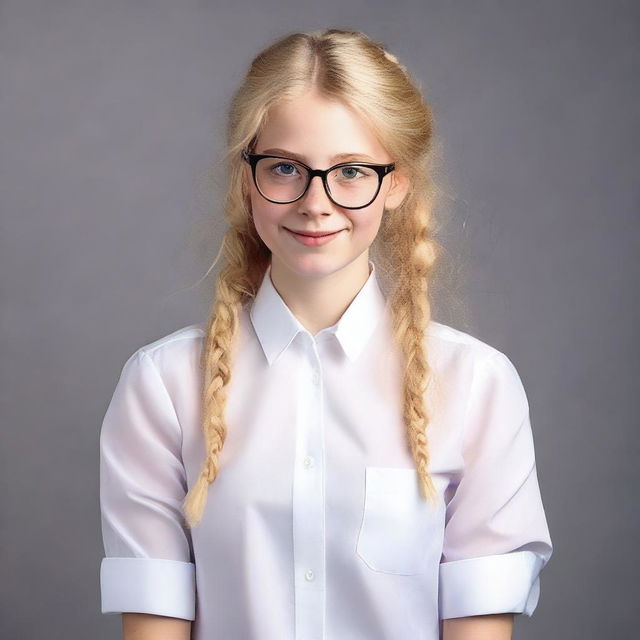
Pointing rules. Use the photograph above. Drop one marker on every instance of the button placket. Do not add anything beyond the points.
(308, 498)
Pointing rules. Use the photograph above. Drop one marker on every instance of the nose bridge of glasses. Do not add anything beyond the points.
(322, 174)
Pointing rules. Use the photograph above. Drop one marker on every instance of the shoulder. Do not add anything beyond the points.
(479, 364)
(478, 371)
(454, 353)
(179, 339)
(448, 342)
(175, 355)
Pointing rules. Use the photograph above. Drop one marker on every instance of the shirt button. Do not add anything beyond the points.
(309, 575)
(316, 377)
(308, 461)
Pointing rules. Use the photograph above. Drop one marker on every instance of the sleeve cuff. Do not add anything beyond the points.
(148, 585)
(504, 583)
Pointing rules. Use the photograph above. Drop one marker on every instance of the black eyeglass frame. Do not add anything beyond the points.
(381, 169)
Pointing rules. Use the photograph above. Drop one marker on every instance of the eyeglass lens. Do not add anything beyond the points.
(284, 180)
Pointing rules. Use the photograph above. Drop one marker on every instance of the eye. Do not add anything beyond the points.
(289, 168)
(353, 173)
(349, 172)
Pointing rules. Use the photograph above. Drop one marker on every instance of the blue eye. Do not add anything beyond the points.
(284, 164)
(352, 175)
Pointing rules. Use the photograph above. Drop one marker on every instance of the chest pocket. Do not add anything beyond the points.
(400, 532)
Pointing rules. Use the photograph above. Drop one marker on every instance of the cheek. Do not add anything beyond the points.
(266, 218)
(366, 227)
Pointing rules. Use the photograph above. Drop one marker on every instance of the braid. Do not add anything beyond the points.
(216, 359)
(411, 313)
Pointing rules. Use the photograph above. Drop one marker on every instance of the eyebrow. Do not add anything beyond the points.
(341, 157)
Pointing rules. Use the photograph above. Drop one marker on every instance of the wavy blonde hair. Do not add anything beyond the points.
(350, 67)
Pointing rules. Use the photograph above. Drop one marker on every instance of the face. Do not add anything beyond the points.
(315, 131)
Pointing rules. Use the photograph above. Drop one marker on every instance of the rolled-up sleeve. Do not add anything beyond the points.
(148, 565)
(496, 538)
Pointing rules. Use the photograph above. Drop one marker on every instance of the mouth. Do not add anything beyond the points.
(314, 234)
(317, 239)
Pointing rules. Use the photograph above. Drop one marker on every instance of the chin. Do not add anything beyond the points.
(317, 266)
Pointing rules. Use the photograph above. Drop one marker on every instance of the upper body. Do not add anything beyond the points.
(327, 491)
(315, 527)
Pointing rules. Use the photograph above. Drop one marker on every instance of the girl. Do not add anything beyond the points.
(321, 459)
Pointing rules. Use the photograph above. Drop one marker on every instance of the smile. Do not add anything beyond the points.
(314, 241)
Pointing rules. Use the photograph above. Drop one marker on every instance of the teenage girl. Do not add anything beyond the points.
(321, 459)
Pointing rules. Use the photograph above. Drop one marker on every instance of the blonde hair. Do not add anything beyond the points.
(350, 67)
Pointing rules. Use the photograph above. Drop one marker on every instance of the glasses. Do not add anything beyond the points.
(350, 185)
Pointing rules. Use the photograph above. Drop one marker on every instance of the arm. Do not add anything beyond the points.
(496, 539)
(148, 565)
(487, 627)
(144, 626)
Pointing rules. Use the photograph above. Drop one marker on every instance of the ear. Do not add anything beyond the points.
(398, 191)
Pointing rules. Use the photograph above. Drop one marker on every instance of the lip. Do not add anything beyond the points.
(316, 240)
(315, 234)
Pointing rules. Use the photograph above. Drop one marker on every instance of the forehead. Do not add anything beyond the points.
(319, 130)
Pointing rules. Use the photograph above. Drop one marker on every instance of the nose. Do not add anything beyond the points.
(316, 199)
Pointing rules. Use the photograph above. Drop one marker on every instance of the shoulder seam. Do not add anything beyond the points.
(180, 334)
(452, 335)
(143, 352)
(481, 363)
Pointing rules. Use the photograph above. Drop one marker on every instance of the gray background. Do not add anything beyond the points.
(112, 118)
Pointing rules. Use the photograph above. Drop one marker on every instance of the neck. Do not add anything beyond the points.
(318, 302)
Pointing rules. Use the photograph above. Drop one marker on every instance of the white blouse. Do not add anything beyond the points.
(314, 528)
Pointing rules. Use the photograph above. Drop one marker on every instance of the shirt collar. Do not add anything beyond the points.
(276, 326)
